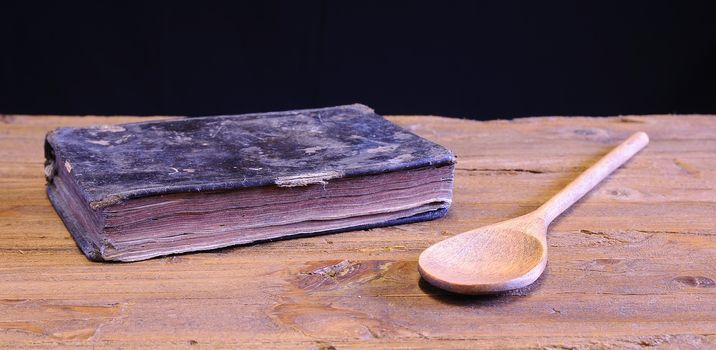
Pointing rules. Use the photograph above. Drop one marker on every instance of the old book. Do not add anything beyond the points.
(135, 191)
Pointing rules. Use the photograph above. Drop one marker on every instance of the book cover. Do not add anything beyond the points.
(98, 177)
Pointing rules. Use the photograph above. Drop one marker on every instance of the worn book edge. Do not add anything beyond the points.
(95, 253)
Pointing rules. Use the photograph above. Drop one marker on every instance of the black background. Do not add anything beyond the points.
(467, 59)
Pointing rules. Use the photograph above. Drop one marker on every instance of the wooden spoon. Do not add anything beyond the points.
(513, 253)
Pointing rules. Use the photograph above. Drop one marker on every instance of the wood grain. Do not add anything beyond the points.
(632, 265)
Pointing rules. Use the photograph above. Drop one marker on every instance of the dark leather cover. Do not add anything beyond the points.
(113, 163)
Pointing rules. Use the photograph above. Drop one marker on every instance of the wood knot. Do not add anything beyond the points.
(623, 193)
(607, 261)
(337, 270)
(339, 274)
(328, 276)
(321, 345)
(592, 134)
(585, 132)
(694, 281)
(619, 193)
(633, 120)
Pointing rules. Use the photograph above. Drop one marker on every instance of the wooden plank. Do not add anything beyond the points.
(632, 265)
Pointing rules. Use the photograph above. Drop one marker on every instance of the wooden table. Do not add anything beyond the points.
(632, 265)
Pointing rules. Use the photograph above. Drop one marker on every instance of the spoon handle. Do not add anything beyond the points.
(592, 176)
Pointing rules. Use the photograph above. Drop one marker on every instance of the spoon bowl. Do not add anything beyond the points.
(490, 259)
(513, 253)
